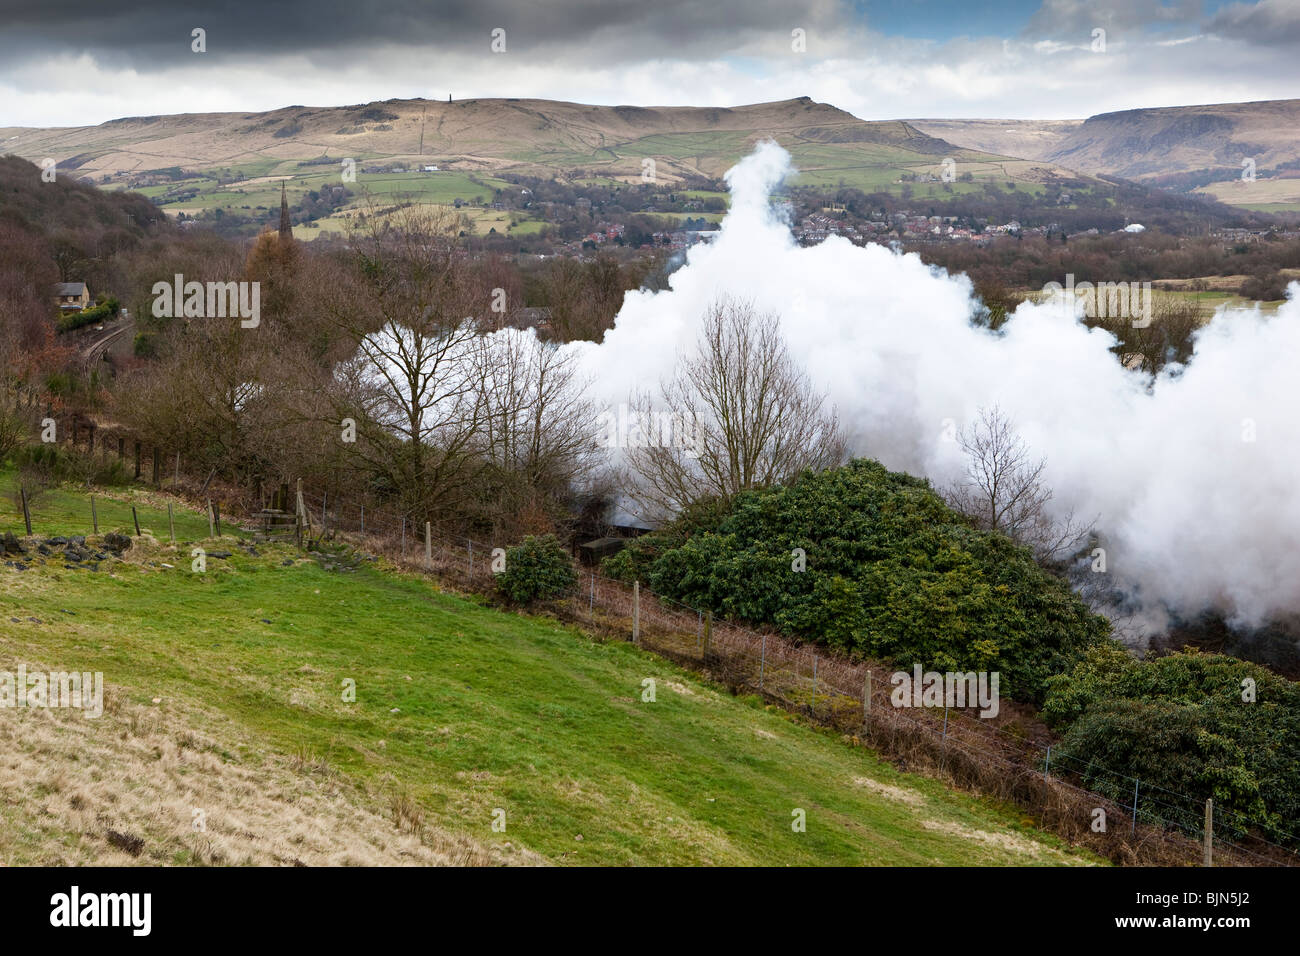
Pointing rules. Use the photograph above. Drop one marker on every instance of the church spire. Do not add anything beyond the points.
(286, 227)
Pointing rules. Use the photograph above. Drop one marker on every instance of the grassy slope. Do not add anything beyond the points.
(493, 710)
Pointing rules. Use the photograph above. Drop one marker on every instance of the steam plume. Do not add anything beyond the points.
(1192, 475)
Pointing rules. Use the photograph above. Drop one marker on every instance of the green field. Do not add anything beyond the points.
(250, 197)
(1272, 206)
(868, 166)
(526, 227)
(707, 216)
(461, 709)
(59, 511)
(1209, 301)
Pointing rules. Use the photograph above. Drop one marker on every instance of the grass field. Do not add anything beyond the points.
(260, 191)
(1210, 301)
(869, 166)
(1272, 206)
(1266, 194)
(224, 695)
(60, 511)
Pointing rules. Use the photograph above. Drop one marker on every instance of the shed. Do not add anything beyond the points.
(595, 551)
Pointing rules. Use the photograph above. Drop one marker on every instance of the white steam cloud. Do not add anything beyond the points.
(1192, 475)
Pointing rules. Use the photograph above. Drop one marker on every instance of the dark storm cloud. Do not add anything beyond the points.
(156, 34)
(1268, 23)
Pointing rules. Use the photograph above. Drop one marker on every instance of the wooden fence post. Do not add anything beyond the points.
(216, 517)
(212, 531)
(866, 701)
(94, 516)
(136, 518)
(27, 514)
(708, 633)
(137, 459)
(1208, 850)
(299, 514)
(636, 612)
(171, 522)
(428, 544)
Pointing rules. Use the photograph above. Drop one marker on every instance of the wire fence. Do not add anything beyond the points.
(999, 756)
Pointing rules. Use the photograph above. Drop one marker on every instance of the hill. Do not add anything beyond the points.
(525, 135)
(1028, 139)
(67, 205)
(235, 161)
(224, 697)
(1184, 147)
(1152, 144)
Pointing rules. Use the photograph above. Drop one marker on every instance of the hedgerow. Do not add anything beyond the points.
(96, 313)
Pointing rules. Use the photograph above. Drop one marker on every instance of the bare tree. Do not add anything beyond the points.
(736, 415)
(411, 386)
(1003, 488)
(1167, 337)
(568, 294)
(412, 394)
(27, 345)
(216, 394)
(537, 434)
(14, 428)
(585, 298)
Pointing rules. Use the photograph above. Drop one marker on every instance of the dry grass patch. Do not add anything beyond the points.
(140, 785)
(910, 797)
(1010, 842)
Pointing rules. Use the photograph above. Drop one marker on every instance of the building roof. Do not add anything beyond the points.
(604, 546)
(69, 288)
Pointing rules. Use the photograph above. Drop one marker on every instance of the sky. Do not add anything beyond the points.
(82, 62)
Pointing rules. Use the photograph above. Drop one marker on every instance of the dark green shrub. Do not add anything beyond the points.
(145, 345)
(536, 570)
(889, 572)
(635, 561)
(1180, 723)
